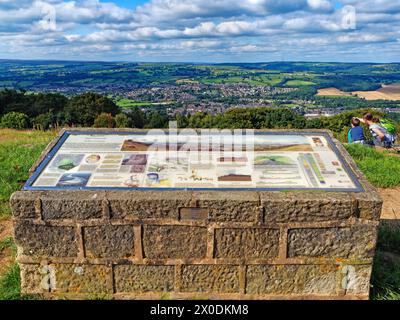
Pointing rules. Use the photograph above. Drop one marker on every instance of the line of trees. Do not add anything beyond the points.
(20, 111)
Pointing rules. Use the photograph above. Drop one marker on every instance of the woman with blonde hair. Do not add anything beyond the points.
(382, 137)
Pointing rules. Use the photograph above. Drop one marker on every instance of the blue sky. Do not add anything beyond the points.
(201, 30)
(130, 4)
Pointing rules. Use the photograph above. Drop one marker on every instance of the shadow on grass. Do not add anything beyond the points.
(385, 279)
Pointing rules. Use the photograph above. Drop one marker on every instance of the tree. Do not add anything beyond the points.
(237, 118)
(137, 118)
(196, 120)
(122, 121)
(104, 120)
(157, 119)
(83, 109)
(49, 102)
(15, 101)
(44, 121)
(31, 104)
(15, 120)
(181, 120)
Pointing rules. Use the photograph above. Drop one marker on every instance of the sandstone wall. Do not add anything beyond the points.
(142, 244)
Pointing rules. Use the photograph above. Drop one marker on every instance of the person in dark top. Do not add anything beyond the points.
(356, 133)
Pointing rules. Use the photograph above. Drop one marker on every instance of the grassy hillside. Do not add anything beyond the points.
(18, 151)
(382, 169)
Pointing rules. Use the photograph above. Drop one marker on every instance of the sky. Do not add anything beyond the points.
(203, 31)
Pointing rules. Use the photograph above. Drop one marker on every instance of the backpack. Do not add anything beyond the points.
(390, 127)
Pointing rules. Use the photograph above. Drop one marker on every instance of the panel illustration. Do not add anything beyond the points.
(156, 161)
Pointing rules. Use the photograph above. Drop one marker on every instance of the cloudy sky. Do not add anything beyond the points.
(201, 30)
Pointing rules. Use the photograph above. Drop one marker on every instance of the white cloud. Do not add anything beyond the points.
(324, 5)
(172, 10)
(263, 28)
(375, 6)
(362, 38)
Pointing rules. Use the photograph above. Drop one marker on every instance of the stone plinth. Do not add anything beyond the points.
(197, 244)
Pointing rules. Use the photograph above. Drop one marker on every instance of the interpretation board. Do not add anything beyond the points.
(157, 160)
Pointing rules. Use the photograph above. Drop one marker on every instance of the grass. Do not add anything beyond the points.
(385, 277)
(8, 243)
(127, 103)
(389, 238)
(10, 284)
(10, 281)
(299, 83)
(259, 80)
(18, 151)
(380, 168)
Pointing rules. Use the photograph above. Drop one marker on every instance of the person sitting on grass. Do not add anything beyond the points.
(382, 138)
(356, 133)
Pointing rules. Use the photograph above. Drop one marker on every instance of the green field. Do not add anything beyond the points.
(299, 83)
(259, 79)
(127, 103)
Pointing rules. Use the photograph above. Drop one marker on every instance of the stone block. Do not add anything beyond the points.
(66, 278)
(229, 206)
(291, 279)
(143, 278)
(45, 241)
(74, 278)
(210, 278)
(23, 205)
(33, 279)
(109, 241)
(76, 205)
(356, 242)
(369, 206)
(147, 205)
(283, 207)
(174, 242)
(356, 279)
(246, 243)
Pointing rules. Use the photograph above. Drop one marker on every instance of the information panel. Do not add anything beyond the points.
(158, 160)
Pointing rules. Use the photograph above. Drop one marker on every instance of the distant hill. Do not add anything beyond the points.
(109, 77)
